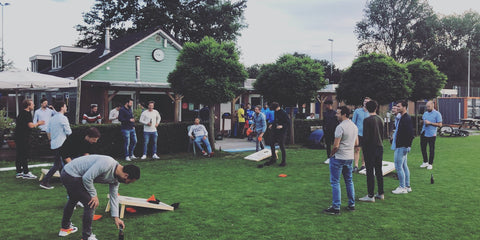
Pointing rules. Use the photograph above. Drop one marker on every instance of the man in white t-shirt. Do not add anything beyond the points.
(113, 116)
(341, 159)
(150, 120)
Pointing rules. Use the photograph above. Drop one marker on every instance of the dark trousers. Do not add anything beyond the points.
(278, 137)
(329, 137)
(57, 165)
(373, 161)
(77, 192)
(423, 145)
(241, 126)
(21, 161)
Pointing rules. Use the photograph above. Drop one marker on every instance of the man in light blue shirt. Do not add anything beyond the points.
(431, 120)
(57, 130)
(260, 126)
(44, 113)
(358, 116)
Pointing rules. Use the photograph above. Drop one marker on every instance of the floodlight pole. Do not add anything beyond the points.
(331, 56)
(468, 80)
(3, 53)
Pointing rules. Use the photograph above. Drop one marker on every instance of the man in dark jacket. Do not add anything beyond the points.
(403, 142)
(279, 128)
(125, 116)
(330, 122)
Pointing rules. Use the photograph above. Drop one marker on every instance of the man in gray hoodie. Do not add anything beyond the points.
(78, 177)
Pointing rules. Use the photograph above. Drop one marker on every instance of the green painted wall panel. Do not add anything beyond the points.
(122, 68)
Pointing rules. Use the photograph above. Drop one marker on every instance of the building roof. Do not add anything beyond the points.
(93, 60)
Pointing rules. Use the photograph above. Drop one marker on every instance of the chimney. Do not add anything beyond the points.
(107, 42)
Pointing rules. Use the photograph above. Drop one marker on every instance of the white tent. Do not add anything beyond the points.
(16, 80)
(20, 80)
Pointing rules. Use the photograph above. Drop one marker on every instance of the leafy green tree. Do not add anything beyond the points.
(185, 20)
(388, 25)
(208, 73)
(377, 76)
(291, 80)
(253, 70)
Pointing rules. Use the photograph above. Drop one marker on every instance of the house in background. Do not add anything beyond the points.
(134, 66)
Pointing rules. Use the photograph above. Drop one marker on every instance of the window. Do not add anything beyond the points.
(57, 60)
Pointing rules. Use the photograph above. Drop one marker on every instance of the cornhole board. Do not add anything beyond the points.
(124, 201)
(45, 171)
(260, 155)
(387, 167)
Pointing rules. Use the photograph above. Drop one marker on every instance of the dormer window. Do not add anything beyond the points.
(57, 60)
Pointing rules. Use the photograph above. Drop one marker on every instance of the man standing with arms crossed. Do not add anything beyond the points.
(79, 177)
(125, 116)
(403, 138)
(23, 129)
(344, 146)
(358, 116)
(150, 120)
(373, 152)
(58, 129)
(431, 120)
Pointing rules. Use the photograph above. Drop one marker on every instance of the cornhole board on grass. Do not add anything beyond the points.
(45, 171)
(260, 155)
(137, 202)
(387, 167)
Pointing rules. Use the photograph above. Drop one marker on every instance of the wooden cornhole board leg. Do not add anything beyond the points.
(123, 201)
(260, 155)
(45, 171)
(387, 167)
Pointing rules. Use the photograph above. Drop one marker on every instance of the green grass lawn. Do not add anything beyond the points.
(229, 198)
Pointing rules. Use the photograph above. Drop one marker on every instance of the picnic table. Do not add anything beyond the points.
(470, 122)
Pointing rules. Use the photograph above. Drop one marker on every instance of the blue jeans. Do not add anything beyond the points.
(147, 136)
(130, 140)
(259, 144)
(57, 165)
(400, 159)
(344, 167)
(198, 142)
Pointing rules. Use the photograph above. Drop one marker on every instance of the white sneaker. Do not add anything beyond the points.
(80, 204)
(144, 157)
(155, 156)
(367, 199)
(66, 232)
(133, 157)
(327, 161)
(430, 167)
(400, 190)
(409, 189)
(29, 175)
(128, 159)
(19, 175)
(92, 237)
(424, 165)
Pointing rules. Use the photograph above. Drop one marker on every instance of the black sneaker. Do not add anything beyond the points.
(46, 186)
(355, 169)
(332, 211)
(351, 208)
(282, 164)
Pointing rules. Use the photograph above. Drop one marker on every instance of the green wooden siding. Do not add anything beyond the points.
(122, 67)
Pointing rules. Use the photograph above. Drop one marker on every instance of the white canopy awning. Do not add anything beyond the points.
(18, 80)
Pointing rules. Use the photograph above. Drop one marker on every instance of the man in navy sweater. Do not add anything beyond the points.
(403, 142)
(125, 116)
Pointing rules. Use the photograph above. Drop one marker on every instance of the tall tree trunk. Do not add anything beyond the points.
(211, 126)
(176, 111)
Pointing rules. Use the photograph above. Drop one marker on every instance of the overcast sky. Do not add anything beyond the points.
(275, 27)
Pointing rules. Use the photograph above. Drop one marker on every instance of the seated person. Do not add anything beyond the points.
(199, 134)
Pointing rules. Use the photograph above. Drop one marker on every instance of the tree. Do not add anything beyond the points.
(290, 80)
(387, 25)
(332, 73)
(208, 73)
(377, 76)
(253, 71)
(185, 20)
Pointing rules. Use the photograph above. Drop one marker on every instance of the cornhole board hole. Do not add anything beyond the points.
(387, 167)
(260, 155)
(45, 171)
(124, 201)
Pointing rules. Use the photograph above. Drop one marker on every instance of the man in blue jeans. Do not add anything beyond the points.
(125, 116)
(344, 146)
(403, 138)
(199, 134)
(150, 120)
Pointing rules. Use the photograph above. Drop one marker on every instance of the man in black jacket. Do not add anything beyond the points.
(279, 129)
(330, 122)
(403, 142)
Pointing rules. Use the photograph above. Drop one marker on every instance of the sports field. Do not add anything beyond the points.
(227, 197)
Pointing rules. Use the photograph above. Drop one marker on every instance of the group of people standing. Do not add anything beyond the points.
(350, 137)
